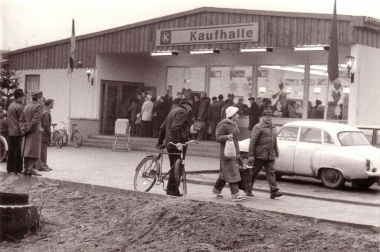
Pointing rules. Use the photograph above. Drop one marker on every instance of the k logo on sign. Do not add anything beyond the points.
(166, 37)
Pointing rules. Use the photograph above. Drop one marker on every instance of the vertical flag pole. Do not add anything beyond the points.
(332, 63)
(70, 70)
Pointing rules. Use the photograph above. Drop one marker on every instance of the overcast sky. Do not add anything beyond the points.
(33, 22)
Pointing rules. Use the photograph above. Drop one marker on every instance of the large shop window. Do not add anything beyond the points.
(180, 79)
(284, 87)
(231, 80)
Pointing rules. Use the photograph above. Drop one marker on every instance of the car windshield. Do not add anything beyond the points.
(352, 138)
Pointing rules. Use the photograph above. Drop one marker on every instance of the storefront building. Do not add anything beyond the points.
(207, 53)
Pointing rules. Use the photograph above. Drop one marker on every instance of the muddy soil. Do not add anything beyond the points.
(75, 219)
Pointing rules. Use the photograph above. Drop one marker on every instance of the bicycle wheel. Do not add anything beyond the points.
(77, 138)
(145, 175)
(58, 139)
(3, 149)
(180, 177)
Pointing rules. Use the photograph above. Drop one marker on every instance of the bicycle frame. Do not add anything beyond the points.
(159, 175)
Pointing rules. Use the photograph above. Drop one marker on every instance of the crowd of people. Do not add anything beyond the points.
(146, 113)
(29, 132)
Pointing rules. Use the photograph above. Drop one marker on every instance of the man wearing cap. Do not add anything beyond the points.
(254, 113)
(46, 135)
(30, 123)
(175, 129)
(263, 150)
(14, 163)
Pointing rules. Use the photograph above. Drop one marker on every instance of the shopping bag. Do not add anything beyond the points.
(229, 149)
(246, 179)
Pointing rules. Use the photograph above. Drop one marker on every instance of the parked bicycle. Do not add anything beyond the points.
(3, 139)
(149, 171)
(61, 136)
(3, 148)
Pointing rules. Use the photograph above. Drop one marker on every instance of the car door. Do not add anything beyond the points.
(307, 151)
(286, 140)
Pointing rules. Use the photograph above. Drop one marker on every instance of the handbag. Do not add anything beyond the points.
(246, 178)
(229, 149)
(197, 125)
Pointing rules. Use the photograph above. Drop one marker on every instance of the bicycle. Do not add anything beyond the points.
(3, 148)
(61, 136)
(149, 171)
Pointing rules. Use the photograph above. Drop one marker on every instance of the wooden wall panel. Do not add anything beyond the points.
(314, 32)
(275, 31)
(307, 31)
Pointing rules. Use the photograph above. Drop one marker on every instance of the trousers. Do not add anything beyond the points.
(269, 171)
(220, 184)
(14, 163)
(42, 161)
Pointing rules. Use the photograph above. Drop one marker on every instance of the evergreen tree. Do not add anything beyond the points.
(9, 81)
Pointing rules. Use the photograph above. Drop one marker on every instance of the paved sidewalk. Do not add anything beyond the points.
(116, 169)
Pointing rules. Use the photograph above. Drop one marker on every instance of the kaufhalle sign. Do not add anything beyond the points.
(208, 34)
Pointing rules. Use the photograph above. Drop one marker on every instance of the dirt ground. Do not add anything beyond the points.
(74, 219)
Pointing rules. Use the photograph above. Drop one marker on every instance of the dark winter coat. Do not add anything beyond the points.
(263, 143)
(46, 125)
(203, 109)
(175, 128)
(214, 111)
(228, 167)
(15, 110)
(254, 115)
(31, 123)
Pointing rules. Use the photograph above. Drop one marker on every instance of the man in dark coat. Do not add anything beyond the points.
(30, 123)
(221, 101)
(46, 134)
(262, 151)
(15, 109)
(214, 116)
(175, 129)
(254, 113)
(203, 116)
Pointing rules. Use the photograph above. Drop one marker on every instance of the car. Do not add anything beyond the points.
(372, 134)
(332, 152)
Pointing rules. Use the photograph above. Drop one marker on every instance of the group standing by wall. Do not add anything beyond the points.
(29, 134)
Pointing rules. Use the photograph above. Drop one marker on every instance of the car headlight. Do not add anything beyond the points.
(368, 164)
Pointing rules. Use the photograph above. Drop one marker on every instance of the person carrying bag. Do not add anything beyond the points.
(227, 134)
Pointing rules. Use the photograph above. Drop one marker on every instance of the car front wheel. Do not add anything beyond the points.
(332, 178)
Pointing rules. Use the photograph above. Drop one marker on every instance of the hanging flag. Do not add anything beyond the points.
(332, 64)
(72, 51)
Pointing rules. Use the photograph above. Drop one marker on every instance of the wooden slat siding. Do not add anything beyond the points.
(375, 41)
(88, 52)
(307, 31)
(117, 42)
(49, 57)
(55, 57)
(262, 31)
(321, 32)
(43, 59)
(366, 37)
(132, 40)
(141, 39)
(280, 32)
(62, 56)
(360, 36)
(286, 32)
(122, 41)
(147, 40)
(301, 31)
(314, 32)
(93, 52)
(127, 40)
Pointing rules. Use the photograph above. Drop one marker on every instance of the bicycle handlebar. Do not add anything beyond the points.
(184, 144)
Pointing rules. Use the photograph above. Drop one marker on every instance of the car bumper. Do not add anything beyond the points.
(374, 175)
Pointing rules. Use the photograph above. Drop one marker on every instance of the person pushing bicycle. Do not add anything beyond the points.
(175, 129)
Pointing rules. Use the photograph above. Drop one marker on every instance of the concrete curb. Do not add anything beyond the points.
(84, 186)
(202, 182)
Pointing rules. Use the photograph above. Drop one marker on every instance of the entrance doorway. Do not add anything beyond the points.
(116, 98)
